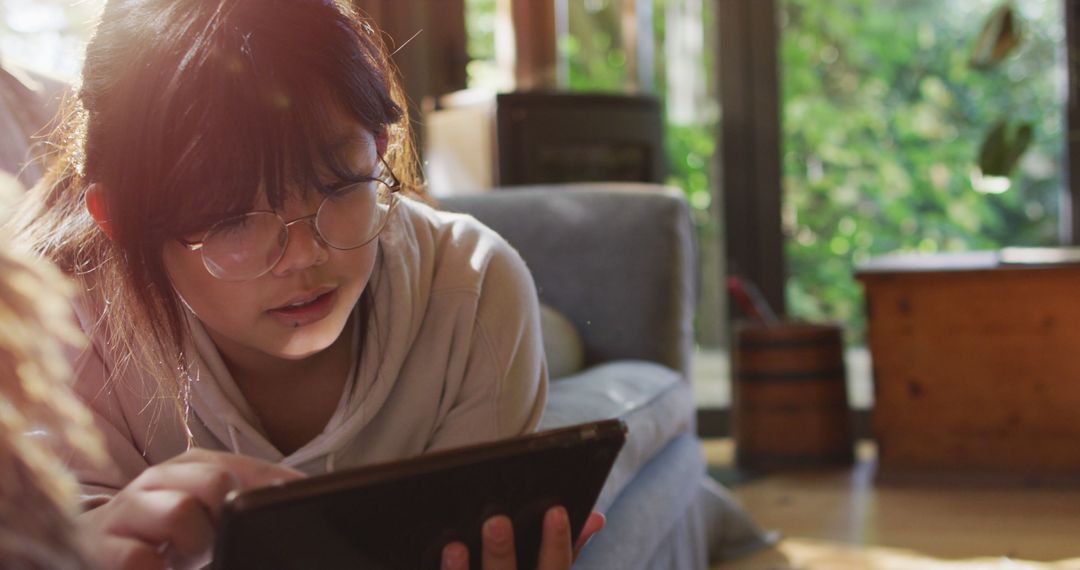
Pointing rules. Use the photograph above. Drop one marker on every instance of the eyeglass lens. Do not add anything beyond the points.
(249, 245)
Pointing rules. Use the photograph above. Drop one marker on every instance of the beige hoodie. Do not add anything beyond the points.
(452, 356)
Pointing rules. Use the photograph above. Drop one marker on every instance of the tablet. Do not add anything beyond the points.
(400, 515)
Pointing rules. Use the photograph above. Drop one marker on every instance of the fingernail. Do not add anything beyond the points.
(235, 482)
(495, 531)
(557, 519)
(454, 557)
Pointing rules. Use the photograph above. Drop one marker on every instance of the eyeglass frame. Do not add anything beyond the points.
(393, 184)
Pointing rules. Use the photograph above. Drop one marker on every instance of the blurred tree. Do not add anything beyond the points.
(883, 117)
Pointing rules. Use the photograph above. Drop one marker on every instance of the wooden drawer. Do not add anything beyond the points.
(976, 368)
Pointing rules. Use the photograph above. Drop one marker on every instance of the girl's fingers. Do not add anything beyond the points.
(209, 484)
(497, 536)
(498, 543)
(249, 471)
(166, 517)
(174, 523)
(128, 554)
(555, 551)
(594, 524)
(210, 476)
(455, 556)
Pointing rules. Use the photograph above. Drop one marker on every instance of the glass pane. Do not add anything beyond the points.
(594, 54)
(594, 47)
(481, 20)
(684, 40)
(47, 36)
(884, 117)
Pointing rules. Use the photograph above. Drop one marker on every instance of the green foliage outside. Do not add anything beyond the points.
(480, 44)
(882, 123)
(692, 145)
(596, 62)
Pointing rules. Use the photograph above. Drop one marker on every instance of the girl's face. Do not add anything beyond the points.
(298, 308)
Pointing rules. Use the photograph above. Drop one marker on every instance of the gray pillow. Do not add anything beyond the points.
(562, 343)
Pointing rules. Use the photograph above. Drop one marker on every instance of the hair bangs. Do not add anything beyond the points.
(255, 108)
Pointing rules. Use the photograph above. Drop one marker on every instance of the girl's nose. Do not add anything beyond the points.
(304, 248)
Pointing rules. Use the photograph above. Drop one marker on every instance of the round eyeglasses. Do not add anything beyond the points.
(248, 245)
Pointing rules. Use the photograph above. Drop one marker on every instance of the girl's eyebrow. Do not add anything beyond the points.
(348, 148)
(348, 138)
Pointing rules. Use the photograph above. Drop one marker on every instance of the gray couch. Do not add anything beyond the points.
(619, 261)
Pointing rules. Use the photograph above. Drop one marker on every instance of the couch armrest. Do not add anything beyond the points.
(618, 259)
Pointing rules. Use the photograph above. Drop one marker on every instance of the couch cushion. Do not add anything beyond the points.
(673, 517)
(653, 400)
(618, 259)
(563, 347)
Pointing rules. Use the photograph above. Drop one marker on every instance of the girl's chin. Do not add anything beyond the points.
(296, 354)
(305, 342)
(299, 349)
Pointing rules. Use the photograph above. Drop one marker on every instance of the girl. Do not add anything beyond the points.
(232, 195)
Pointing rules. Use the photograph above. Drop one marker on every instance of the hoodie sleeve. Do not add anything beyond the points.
(505, 386)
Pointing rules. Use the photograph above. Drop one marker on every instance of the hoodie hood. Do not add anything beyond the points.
(400, 284)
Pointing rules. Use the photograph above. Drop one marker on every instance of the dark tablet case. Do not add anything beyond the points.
(400, 515)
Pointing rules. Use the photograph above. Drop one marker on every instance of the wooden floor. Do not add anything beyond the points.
(841, 519)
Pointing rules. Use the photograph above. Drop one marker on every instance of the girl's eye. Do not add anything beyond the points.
(231, 225)
(345, 190)
(331, 188)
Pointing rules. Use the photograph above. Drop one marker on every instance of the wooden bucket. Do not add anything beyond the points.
(790, 397)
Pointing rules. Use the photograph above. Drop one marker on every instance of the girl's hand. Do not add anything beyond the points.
(498, 543)
(166, 517)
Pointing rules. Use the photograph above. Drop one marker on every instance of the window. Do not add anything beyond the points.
(883, 119)
(665, 47)
(47, 36)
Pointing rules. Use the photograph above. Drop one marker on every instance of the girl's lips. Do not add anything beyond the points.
(307, 313)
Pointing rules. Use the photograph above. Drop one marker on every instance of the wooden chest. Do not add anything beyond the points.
(976, 365)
